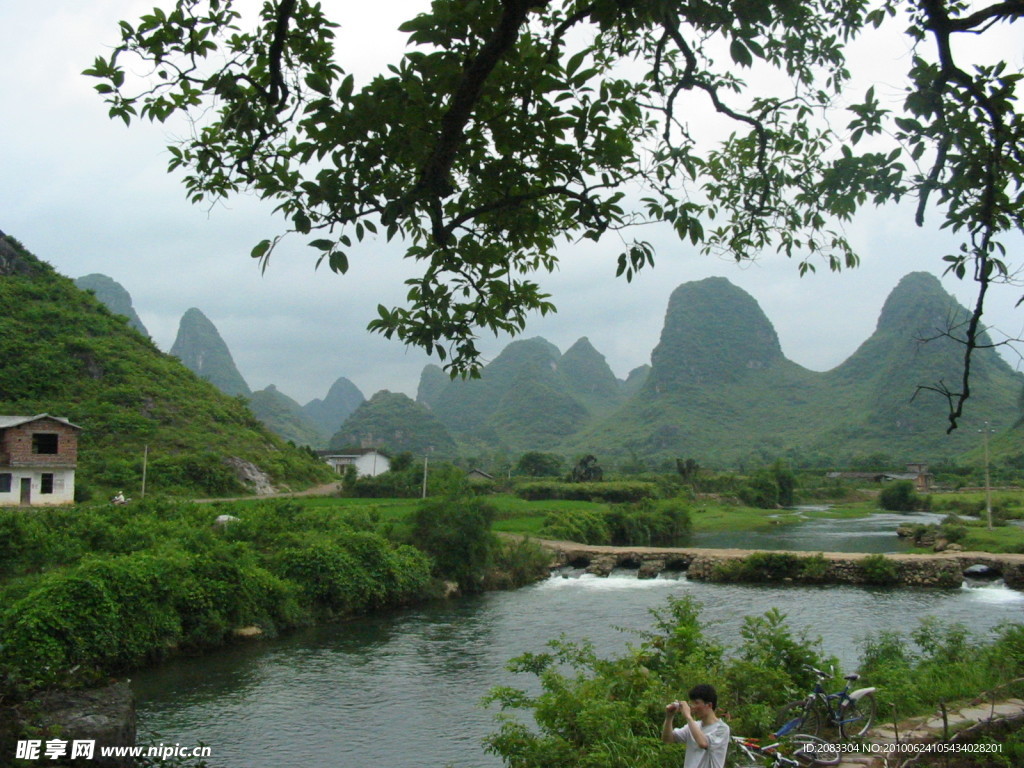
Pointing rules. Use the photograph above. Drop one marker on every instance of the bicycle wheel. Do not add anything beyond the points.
(857, 716)
(748, 757)
(797, 717)
(811, 750)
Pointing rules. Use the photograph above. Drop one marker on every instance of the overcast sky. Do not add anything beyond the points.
(89, 195)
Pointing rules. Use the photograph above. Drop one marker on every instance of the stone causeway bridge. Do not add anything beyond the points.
(941, 569)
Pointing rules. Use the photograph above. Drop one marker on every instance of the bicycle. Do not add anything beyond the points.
(807, 750)
(852, 712)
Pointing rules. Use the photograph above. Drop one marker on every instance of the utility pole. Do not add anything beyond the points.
(988, 483)
(145, 462)
(425, 458)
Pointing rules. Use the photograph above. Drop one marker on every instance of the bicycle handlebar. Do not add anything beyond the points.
(819, 673)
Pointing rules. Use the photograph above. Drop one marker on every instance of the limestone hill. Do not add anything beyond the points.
(200, 347)
(394, 423)
(531, 396)
(114, 296)
(328, 414)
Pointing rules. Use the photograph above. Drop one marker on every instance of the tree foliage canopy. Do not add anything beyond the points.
(510, 124)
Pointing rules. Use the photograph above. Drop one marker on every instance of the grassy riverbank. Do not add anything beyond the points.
(95, 590)
(712, 514)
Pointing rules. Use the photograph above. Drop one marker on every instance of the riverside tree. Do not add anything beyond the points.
(511, 124)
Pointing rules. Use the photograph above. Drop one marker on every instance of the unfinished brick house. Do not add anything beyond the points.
(38, 456)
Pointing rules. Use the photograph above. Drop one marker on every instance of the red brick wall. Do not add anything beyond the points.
(16, 445)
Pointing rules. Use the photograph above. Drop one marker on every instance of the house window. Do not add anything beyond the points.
(44, 442)
(46, 484)
(5, 482)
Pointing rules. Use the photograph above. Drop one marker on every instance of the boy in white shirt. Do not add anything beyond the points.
(706, 737)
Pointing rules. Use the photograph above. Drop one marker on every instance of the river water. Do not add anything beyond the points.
(404, 689)
(798, 532)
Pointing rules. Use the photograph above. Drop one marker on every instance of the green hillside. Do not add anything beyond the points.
(285, 417)
(393, 422)
(200, 347)
(65, 353)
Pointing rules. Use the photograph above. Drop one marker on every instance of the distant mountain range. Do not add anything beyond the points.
(203, 351)
(718, 389)
(721, 390)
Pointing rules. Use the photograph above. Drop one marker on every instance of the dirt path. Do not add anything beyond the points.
(318, 490)
(920, 741)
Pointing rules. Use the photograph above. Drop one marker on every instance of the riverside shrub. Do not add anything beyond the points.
(772, 567)
(900, 496)
(879, 570)
(641, 524)
(647, 524)
(112, 613)
(611, 492)
(103, 589)
(584, 526)
(456, 532)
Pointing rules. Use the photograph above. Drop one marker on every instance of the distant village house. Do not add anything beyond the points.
(368, 462)
(918, 474)
(38, 457)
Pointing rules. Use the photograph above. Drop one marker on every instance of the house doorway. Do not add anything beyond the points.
(26, 491)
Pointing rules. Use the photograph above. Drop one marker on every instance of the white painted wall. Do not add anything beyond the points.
(63, 486)
(367, 465)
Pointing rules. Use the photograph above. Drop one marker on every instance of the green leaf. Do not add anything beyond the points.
(338, 262)
(260, 250)
(740, 54)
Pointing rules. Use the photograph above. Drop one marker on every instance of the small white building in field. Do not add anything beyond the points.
(38, 458)
(368, 462)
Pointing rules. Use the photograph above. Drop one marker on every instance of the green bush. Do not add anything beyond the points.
(115, 612)
(612, 492)
(879, 570)
(769, 488)
(456, 532)
(642, 524)
(518, 562)
(584, 526)
(538, 464)
(814, 569)
(761, 567)
(649, 524)
(900, 496)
